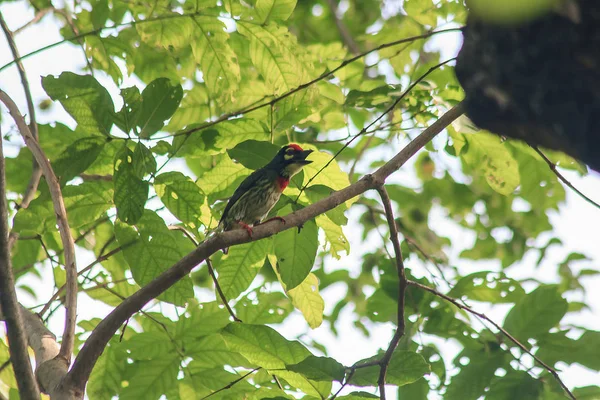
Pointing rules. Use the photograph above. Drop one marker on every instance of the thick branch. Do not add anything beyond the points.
(385, 361)
(67, 344)
(497, 326)
(94, 346)
(8, 303)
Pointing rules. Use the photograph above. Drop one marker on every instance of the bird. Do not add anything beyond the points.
(260, 191)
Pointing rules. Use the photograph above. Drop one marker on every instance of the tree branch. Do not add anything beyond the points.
(497, 326)
(342, 29)
(211, 271)
(68, 337)
(385, 361)
(10, 306)
(36, 172)
(93, 347)
(562, 178)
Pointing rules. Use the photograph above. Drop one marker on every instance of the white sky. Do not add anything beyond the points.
(576, 224)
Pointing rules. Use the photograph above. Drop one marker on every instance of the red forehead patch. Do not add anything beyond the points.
(295, 146)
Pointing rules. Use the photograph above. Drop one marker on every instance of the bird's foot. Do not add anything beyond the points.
(274, 219)
(247, 227)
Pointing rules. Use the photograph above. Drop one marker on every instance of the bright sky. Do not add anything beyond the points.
(576, 224)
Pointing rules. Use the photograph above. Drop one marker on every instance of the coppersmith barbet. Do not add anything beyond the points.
(260, 191)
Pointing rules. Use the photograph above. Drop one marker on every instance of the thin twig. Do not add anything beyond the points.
(66, 348)
(211, 271)
(385, 361)
(75, 30)
(36, 18)
(562, 178)
(230, 384)
(98, 260)
(497, 326)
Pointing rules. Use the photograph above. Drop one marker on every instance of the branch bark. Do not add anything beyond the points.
(26, 383)
(94, 346)
(385, 361)
(68, 337)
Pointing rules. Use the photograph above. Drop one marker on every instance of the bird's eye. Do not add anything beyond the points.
(289, 151)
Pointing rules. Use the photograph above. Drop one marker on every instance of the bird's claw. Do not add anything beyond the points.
(247, 227)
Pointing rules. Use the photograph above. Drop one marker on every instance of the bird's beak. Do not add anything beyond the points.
(301, 157)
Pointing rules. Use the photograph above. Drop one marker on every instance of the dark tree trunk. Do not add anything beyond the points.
(539, 82)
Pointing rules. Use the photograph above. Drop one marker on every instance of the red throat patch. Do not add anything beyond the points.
(295, 146)
(282, 183)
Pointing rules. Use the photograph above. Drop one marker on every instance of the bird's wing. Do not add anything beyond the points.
(243, 188)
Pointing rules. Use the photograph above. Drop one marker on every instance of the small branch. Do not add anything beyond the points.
(230, 384)
(497, 326)
(211, 271)
(60, 290)
(68, 337)
(95, 344)
(562, 178)
(385, 361)
(36, 172)
(37, 18)
(15, 328)
(342, 29)
(73, 27)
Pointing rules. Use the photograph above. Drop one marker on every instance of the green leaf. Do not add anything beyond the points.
(296, 251)
(536, 313)
(239, 267)
(248, 131)
(488, 286)
(274, 53)
(587, 393)
(154, 378)
(487, 154)
(108, 373)
(169, 33)
(181, 196)
(84, 99)
(159, 101)
(212, 52)
(473, 378)
(212, 351)
(143, 161)
(126, 118)
(194, 108)
(77, 158)
(423, 11)
(263, 346)
(319, 369)
(306, 298)
(515, 384)
(131, 193)
(268, 308)
(205, 319)
(274, 9)
(221, 181)
(417, 390)
(331, 176)
(152, 249)
(253, 154)
(405, 367)
(334, 235)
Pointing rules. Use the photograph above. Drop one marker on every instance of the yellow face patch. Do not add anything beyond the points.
(288, 156)
(293, 169)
